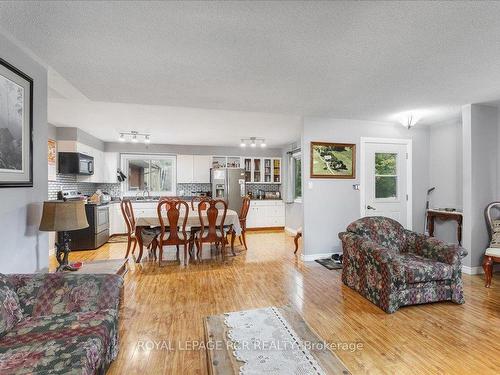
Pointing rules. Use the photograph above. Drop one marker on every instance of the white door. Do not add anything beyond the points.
(387, 176)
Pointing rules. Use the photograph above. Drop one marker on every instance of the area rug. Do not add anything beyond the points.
(329, 263)
(269, 340)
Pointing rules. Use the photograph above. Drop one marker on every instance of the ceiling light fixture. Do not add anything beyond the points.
(410, 118)
(134, 136)
(253, 142)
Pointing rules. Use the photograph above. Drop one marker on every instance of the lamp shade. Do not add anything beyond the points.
(62, 216)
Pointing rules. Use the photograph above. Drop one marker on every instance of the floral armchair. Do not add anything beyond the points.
(58, 323)
(393, 267)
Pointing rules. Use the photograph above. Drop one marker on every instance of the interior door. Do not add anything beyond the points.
(386, 190)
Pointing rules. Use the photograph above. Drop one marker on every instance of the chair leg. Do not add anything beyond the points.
(129, 242)
(243, 235)
(296, 241)
(239, 237)
(198, 249)
(160, 255)
(488, 270)
(135, 244)
(185, 253)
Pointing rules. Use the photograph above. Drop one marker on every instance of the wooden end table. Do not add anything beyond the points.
(443, 215)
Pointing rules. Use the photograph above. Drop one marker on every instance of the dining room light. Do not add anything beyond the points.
(253, 142)
(135, 136)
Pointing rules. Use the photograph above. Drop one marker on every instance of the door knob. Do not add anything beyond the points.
(370, 207)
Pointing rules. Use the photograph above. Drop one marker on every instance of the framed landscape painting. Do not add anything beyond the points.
(333, 160)
(16, 127)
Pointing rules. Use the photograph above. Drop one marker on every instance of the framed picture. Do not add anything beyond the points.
(333, 160)
(16, 127)
(52, 159)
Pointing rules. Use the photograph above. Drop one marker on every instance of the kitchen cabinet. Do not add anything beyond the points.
(262, 170)
(266, 214)
(105, 163)
(185, 169)
(193, 169)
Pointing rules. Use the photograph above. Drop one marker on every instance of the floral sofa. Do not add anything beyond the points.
(58, 323)
(393, 267)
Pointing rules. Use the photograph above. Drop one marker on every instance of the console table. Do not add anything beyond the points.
(443, 215)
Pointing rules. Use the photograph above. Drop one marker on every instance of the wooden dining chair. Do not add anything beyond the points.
(148, 236)
(175, 234)
(243, 220)
(201, 202)
(210, 231)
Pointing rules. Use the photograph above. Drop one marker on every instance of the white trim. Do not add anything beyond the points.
(409, 173)
(478, 270)
(313, 257)
(291, 231)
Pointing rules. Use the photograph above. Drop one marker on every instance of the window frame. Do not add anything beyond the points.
(126, 157)
(296, 156)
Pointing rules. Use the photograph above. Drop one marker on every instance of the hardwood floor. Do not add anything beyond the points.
(166, 305)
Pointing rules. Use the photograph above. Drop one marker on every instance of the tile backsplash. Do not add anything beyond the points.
(70, 182)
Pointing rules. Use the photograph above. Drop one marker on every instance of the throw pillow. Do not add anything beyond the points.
(10, 309)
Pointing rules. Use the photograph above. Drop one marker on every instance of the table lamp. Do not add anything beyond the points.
(63, 216)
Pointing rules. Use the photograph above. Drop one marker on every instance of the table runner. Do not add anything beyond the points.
(264, 340)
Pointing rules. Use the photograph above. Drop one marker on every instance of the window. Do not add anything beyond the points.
(155, 173)
(297, 176)
(386, 177)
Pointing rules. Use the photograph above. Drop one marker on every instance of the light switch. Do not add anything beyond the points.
(310, 185)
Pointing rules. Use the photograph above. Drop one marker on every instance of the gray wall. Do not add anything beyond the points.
(192, 150)
(330, 205)
(24, 248)
(480, 165)
(75, 134)
(445, 173)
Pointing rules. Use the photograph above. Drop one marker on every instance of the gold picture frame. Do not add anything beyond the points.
(333, 160)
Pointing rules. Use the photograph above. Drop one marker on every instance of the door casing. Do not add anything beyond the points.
(409, 167)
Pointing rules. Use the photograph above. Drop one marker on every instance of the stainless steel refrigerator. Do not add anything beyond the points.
(228, 184)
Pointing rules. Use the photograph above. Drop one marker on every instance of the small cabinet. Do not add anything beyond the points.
(266, 214)
(185, 169)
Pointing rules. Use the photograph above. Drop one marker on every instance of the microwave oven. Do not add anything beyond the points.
(75, 163)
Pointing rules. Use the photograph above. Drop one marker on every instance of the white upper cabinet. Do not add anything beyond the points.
(201, 169)
(111, 160)
(185, 169)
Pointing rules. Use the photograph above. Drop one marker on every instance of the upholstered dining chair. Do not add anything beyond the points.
(176, 233)
(492, 253)
(210, 231)
(149, 236)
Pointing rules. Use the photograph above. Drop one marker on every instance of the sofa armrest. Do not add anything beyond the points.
(432, 248)
(381, 259)
(58, 293)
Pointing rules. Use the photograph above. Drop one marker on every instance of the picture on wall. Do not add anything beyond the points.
(16, 127)
(333, 160)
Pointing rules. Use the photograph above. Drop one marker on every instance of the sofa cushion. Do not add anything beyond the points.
(10, 308)
(78, 343)
(418, 269)
(384, 231)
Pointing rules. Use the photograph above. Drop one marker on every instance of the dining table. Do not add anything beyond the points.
(192, 223)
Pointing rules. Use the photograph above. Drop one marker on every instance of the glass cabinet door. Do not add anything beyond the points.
(277, 170)
(268, 172)
(247, 165)
(257, 170)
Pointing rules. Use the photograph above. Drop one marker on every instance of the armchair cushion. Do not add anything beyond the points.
(10, 308)
(383, 231)
(418, 269)
(58, 293)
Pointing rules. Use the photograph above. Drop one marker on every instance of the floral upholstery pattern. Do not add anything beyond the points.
(70, 324)
(10, 308)
(394, 267)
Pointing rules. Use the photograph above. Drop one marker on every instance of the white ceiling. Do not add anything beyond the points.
(363, 60)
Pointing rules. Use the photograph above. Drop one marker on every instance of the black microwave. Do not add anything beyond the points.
(75, 163)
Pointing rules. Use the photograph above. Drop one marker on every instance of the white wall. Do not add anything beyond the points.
(293, 210)
(24, 248)
(332, 204)
(445, 173)
(480, 176)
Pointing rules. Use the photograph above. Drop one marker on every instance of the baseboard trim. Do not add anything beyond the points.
(313, 257)
(478, 270)
(291, 231)
(259, 229)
